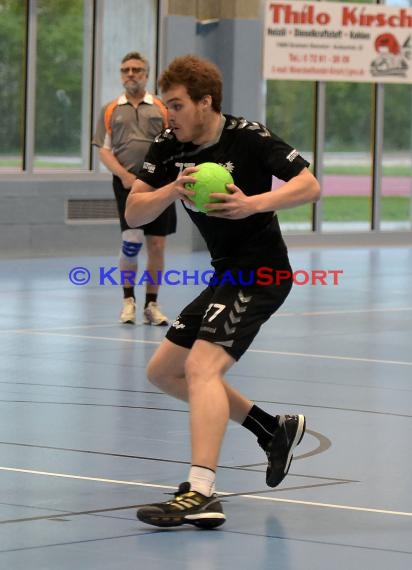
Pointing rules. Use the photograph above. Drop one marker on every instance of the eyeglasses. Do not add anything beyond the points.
(132, 69)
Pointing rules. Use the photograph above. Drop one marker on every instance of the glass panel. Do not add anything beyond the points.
(396, 199)
(289, 114)
(12, 81)
(347, 183)
(59, 84)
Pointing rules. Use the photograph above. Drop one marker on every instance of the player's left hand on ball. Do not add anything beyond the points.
(233, 206)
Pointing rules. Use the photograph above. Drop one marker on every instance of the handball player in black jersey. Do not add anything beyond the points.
(243, 236)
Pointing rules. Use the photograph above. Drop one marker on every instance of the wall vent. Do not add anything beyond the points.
(91, 211)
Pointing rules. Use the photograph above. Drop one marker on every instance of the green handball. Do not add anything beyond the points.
(210, 177)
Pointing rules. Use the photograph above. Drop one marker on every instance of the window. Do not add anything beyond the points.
(289, 114)
(59, 63)
(396, 188)
(347, 164)
(62, 76)
(12, 81)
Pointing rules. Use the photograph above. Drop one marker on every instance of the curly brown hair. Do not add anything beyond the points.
(200, 77)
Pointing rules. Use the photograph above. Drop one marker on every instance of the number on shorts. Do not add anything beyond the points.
(218, 308)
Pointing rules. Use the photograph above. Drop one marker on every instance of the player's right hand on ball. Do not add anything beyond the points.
(181, 181)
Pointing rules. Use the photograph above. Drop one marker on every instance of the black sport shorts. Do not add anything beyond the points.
(229, 314)
(164, 225)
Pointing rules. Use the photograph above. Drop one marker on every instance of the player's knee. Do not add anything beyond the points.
(194, 371)
(158, 376)
(132, 241)
(156, 371)
(152, 373)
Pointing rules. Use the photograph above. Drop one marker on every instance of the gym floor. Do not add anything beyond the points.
(85, 438)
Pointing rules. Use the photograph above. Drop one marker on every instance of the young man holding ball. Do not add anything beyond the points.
(241, 233)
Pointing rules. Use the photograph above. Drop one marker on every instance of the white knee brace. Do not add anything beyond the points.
(132, 241)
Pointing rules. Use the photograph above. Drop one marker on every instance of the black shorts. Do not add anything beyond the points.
(229, 314)
(164, 225)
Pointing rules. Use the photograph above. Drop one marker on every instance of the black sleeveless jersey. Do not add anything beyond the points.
(252, 154)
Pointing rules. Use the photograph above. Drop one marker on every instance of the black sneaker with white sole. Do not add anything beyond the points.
(188, 507)
(280, 448)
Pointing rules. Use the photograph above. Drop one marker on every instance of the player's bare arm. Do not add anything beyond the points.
(301, 189)
(144, 205)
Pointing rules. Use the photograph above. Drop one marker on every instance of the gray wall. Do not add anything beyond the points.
(33, 219)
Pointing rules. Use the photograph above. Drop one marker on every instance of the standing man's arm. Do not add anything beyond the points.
(112, 164)
(103, 140)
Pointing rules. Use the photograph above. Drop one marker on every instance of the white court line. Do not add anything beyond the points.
(255, 497)
(56, 329)
(333, 357)
(254, 350)
(343, 312)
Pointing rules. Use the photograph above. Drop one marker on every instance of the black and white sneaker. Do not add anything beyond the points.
(280, 448)
(188, 507)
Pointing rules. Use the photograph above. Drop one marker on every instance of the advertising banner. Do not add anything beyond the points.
(329, 41)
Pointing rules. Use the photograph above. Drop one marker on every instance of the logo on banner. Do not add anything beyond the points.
(392, 59)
